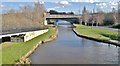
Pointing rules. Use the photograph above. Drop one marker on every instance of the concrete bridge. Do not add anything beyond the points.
(62, 17)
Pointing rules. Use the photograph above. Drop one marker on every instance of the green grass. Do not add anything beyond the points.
(97, 33)
(0, 55)
(12, 51)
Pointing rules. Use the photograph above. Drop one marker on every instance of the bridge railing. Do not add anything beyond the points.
(11, 31)
(61, 16)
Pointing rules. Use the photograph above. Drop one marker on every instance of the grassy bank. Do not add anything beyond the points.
(97, 33)
(12, 51)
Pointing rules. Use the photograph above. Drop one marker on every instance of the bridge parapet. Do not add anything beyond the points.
(62, 16)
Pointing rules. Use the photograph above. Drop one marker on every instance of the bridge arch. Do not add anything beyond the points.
(62, 22)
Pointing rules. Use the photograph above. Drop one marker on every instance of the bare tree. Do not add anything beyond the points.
(115, 16)
(39, 11)
(98, 18)
(85, 16)
(28, 17)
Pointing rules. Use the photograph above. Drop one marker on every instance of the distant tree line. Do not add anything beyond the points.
(64, 13)
(27, 17)
(99, 18)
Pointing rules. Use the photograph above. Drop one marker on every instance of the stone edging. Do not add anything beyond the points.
(25, 59)
(110, 41)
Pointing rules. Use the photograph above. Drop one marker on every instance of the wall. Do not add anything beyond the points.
(32, 34)
(45, 22)
(17, 39)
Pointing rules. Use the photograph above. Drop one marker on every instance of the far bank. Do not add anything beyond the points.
(101, 35)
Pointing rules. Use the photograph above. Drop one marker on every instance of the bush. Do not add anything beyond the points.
(116, 26)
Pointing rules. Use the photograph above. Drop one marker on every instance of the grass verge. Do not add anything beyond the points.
(97, 33)
(12, 51)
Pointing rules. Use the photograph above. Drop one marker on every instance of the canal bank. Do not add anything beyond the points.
(68, 48)
(25, 59)
(109, 42)
(96, 34)
(13, 51)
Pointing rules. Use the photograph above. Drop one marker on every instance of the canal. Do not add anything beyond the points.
(68, 48)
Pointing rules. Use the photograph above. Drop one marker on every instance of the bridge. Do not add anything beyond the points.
(73, 18)
(62, 16)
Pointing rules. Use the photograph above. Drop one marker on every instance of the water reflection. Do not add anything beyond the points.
(70, 49)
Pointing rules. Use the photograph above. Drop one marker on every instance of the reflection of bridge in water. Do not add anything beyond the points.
(63, 23)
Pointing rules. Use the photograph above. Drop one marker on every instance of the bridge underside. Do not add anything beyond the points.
(63, 18)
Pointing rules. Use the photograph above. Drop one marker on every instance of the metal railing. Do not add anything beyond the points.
(11, 31)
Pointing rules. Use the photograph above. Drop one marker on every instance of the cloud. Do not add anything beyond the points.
(64, 2)
(41, 2)
(21, 5)
(2, 6)
(18, 0)
(53, 8)
(63, 6)
(102, 5)
(107, 5)
(91, 1)
(113, 3)
(9, 1)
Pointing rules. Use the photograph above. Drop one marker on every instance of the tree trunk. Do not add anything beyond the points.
(96, 24)
(85, 23)
(80, 22)
(92, 23)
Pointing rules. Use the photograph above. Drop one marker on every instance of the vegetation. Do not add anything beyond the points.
(109, 19)
(116, 26)
(97, 33)
(27, 17)
(99, 18)
(12, 51)
(64, 13)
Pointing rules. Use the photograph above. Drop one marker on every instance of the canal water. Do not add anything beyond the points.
(68, 48)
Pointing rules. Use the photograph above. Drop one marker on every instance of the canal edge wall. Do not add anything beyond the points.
(104, 41)
(32, 34)
(25, 59)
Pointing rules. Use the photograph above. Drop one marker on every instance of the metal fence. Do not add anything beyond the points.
(11, 31)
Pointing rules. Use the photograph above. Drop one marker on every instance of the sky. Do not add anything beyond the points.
(75, 6)
(60, 0)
